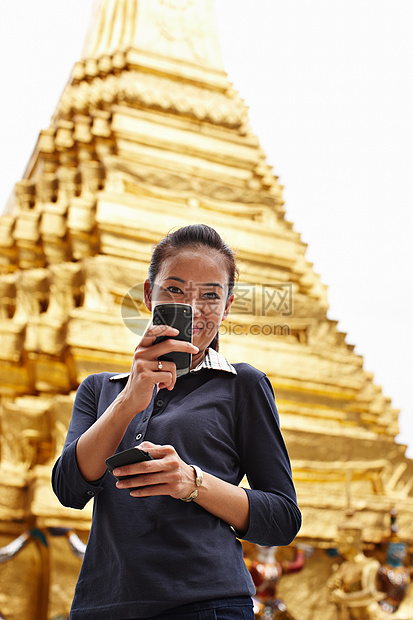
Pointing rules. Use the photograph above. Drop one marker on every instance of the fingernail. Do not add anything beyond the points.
(116, 472)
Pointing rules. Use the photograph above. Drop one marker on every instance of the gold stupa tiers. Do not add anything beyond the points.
(148, 135)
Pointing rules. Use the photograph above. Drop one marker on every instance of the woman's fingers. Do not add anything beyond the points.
(147, 371)
(146, 365)
(157, 451)
(146, 368)
(173, 345)
(166, 474)
(164, 458)
(160, 483)
(151, 490)
(166, 346)
(165, 373)
(154, 331)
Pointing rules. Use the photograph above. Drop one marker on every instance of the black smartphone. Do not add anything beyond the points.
(181, 317)
(132, 455)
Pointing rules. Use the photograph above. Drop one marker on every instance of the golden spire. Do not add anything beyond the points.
(177, 30)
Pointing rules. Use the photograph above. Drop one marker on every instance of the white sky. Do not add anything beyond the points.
(330, 90)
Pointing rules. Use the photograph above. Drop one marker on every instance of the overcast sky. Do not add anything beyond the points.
(329, 86)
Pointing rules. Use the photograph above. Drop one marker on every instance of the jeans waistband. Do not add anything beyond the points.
(230, 601)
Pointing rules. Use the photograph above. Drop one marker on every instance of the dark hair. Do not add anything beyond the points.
(194, 236)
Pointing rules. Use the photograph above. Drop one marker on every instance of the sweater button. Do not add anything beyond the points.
(159, 403)
(90, 493)
(138, 436)
(145, 419)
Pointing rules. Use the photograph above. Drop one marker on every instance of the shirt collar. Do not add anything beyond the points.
(212, 361)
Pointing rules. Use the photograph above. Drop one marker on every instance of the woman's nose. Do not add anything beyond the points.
(196, 308)
(196, 304)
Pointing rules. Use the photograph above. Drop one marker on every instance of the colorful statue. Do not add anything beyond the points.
(266, 572)
(394, 577)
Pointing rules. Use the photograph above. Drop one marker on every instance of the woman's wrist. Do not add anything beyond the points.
(126, 406)
(224, 500)
(199, 477)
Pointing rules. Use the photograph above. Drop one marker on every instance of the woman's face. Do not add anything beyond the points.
(199, 278)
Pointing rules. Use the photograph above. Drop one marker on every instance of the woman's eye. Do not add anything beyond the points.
(211, 295)
(174, 289)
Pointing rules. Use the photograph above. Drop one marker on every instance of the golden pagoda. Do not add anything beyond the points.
(148, 135)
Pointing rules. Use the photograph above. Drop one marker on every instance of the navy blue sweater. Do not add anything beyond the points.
(147, 555)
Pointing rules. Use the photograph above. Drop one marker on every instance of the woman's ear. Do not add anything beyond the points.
(147, 295)
(228, 307)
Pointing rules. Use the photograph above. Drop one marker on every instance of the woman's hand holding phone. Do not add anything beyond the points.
(146, 371)
(164, 474)
(168, 474)
(103, 437)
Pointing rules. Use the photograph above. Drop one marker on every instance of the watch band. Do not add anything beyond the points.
(199, 478)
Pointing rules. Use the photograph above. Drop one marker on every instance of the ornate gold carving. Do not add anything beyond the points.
(13, 335)
(25, 437)
(66, 290)
(150, 91)
(32, 293)
(26, 229)
(47, 140)
(25, 193)
(64, 136)
(101, 124)
(46, 188)
(188, 185)
(7, 296)
(69, 180)
(82, 129)
(92, 174)
(8, 247)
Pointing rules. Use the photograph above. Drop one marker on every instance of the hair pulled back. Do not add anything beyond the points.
(194, 236)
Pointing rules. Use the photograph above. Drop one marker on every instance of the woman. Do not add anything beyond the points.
(150, 554)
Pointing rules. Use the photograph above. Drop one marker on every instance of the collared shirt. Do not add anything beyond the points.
(212, 361)
(148, 555)
(215, 361)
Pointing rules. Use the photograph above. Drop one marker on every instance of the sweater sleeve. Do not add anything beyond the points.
(275, 518)
(68, 483)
